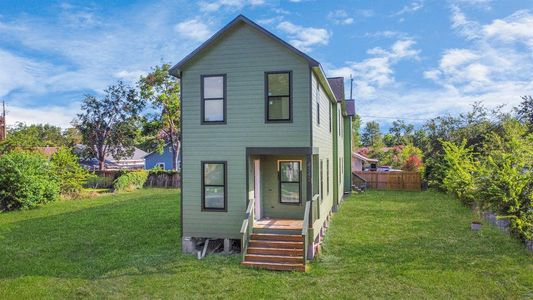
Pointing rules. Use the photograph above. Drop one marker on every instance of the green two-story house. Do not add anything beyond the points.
(266, 141)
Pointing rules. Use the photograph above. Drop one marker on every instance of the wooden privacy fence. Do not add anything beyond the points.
(163, 180)
(392, 180)
(104, 179)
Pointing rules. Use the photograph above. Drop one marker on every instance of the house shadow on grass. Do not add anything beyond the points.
(131, 237)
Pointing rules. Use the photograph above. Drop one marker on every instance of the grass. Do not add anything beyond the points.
(380, 245)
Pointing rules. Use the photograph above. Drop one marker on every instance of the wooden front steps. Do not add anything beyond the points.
(272, 251)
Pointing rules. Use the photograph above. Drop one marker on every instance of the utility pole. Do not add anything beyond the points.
(351, 86)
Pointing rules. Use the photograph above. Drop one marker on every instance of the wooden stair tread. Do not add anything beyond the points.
(273, 258)
(277, 251)
(275, 266)
(277, 237)
(277, 244)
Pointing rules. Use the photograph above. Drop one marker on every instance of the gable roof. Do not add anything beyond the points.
(364, 158)
(176, 69)
(337, 85)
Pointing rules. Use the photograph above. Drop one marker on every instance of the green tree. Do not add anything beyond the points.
(109, 125)
(525, 111)
(371, 136)
(163, 91)
(22, 136)
(401, 132)
(69, 173)
(356, 131)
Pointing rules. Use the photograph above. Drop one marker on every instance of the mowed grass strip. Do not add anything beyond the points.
(379, 245)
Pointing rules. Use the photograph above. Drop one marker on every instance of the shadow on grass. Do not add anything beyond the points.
(136, 236)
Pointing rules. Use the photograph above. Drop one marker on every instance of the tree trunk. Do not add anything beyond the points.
(175, 155)
(101, 164)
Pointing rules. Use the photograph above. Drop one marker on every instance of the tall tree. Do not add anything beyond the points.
(108, 125)
(401, 133)
(525, 111)
(356, 131)
(371, 135)
(22, 136)
(163, 91)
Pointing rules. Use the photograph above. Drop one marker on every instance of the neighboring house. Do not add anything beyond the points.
(162, 160)
(363, 163)
(132, 162)
(266, 146)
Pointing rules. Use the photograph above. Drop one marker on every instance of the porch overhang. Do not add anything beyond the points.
(280, 150)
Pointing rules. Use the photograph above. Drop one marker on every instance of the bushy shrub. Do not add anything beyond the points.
(506, 181)
(70, 174)
(130, 181)
(459, 177)
(26, 180)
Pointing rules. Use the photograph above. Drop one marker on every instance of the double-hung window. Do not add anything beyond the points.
(289, 182)
(321, 180)
(278, 97)
(214, 186)
(213, 99)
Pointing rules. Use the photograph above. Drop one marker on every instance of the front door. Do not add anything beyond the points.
(257, 188)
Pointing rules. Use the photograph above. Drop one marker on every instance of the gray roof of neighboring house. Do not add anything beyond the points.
(175, 70)
(137, 154)
(350, 107)
(337, 85)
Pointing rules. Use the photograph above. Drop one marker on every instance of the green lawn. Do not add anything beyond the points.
(380, 245)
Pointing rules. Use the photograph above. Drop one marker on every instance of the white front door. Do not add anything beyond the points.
(257, 189)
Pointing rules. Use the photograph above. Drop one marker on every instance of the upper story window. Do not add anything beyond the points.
(278, 96)
(214, 99)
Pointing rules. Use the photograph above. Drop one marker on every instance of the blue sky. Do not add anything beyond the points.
(410, 59)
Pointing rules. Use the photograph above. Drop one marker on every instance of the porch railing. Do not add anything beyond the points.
(247, 226)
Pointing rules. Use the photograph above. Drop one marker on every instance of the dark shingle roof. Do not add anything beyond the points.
(350, 107)
(337, 86)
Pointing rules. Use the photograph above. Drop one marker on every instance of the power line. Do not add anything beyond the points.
(393, 118)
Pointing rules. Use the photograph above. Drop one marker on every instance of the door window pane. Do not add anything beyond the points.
(290, 171)
(214, 87)
(214, 110)
(278, 84)
(278, 108)
(290, 192)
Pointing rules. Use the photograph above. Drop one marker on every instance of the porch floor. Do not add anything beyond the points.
(279, 224)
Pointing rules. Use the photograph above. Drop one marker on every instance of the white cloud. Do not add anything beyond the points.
(489, 63)
(193, 29)
(340, 17)
(61, 116)
(410, 8)
(212, 6)
(518, 27)
(304, 38)
(376, 72)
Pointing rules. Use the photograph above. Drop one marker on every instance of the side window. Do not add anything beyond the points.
(329, 105)
(289, 182)
(278, 97)
(214, 196)
(213, 99)
(321, 180)
(318, 113)
(327, 176)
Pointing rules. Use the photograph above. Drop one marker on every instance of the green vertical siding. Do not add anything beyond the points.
(347, 154)
(243, 55)
(323, 140)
